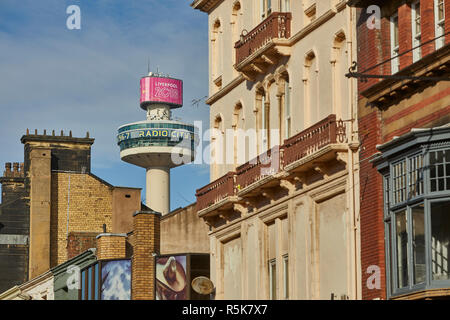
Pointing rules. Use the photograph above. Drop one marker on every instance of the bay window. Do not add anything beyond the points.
(416, 184)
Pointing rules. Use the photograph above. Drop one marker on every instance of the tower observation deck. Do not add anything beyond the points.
(158, 143)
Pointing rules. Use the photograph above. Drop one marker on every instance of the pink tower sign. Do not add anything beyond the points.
(161, 90)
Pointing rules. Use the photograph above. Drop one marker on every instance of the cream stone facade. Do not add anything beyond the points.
(290, 231)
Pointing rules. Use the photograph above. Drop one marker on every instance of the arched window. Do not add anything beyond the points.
(216, 49)
(311, 89)
(339, 68)
(263, 107)
(286, 110)
(236, 27)
(239, 144)
(218, 146)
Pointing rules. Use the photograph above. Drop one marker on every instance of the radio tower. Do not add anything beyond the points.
(158, 143)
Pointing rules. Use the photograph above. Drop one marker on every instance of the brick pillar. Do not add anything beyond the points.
(447, 21)
(386, 45)
(405, 34)
(427, 26)
(371, 205)
(146, 245)
(111, 246)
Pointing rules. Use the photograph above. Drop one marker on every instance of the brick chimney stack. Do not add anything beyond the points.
(146, 246)
(16, 172)
(111, 246)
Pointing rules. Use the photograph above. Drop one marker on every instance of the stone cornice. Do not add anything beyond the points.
(230, 86)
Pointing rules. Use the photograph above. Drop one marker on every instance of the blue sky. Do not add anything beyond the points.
(88, 79)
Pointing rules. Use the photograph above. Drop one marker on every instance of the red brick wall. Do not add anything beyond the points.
(447, 21)
(373, 48)
(405, 35)
(427, 25)
(79, 242)
(369, 50)
(371, 206)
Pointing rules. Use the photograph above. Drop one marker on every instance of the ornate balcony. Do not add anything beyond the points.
(258, 171)
(312, 151)
(264, 45)
(322, 134)
(217, 192)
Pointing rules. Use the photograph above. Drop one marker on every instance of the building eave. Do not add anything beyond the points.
(85, 256)
(205, 5)
(35, 281)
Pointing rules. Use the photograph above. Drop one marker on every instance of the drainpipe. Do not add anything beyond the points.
(68, 209)
(353, 101)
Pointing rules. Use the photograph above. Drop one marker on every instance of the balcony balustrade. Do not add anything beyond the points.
(216, 191)
(276, 26)
(262, 166)
(308, 142)
(325, 132)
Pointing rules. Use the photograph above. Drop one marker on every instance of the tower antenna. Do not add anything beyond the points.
(148, 66)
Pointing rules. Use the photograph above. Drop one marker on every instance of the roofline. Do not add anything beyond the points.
(61, 267)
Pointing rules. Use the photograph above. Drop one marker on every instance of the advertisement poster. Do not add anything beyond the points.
(116, 280)
(171, 280)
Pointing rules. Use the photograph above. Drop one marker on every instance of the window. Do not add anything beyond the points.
(401, 239)
(440, 171)
(399, 182)
(439, 21)
(90, 279)
(395, 63)
(264, 123)
(286, 276)
(416, 183)
(287, 109)
(278, 259)
(416, 30)
(440, 239)
(265, 8)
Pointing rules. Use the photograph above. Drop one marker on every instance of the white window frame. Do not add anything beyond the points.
(272, 276)
(416, 36)
(439, 25)
(395, 63)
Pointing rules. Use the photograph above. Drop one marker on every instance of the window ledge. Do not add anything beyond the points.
(424, 294)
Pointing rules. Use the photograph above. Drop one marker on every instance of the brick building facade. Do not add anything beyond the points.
(53, 206)
(412, 41)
